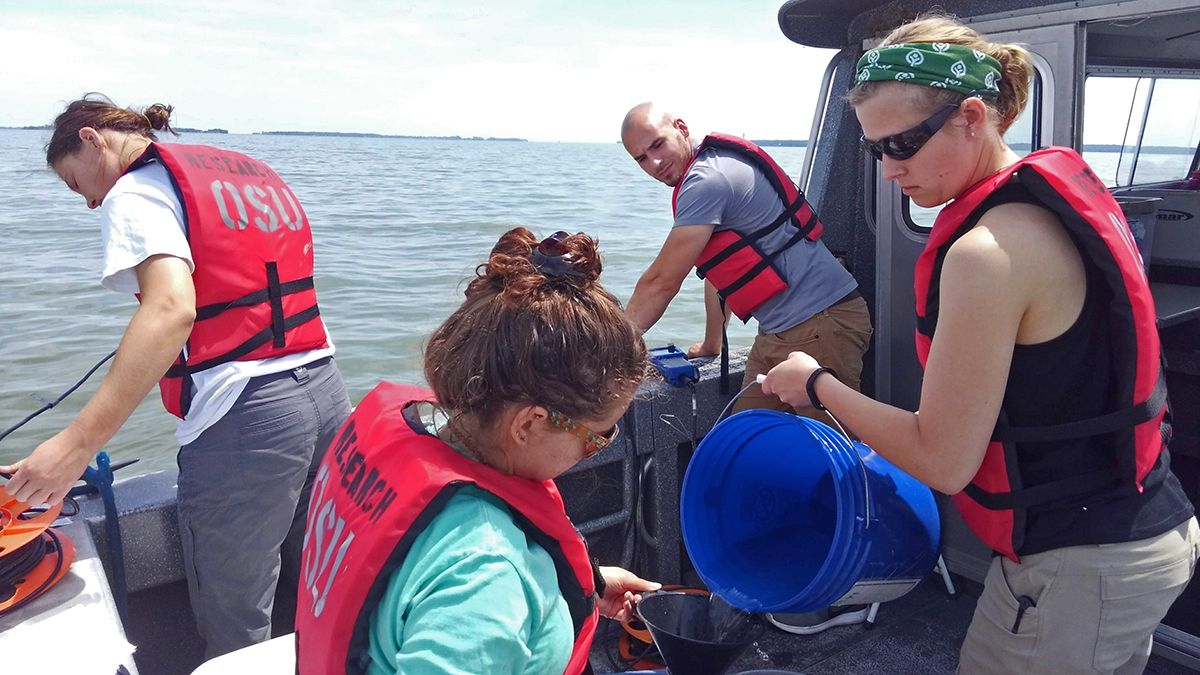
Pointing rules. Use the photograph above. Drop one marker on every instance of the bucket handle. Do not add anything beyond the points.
(862, 465)
(758, 379)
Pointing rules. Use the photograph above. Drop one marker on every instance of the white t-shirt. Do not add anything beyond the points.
(140, 217)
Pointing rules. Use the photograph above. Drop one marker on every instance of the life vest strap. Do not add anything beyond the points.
(748, 239)
(1125, 418)
(276, 301)
(758, 269)
(259, 339)
(723, 386)
(255, 298)
(1059, 490)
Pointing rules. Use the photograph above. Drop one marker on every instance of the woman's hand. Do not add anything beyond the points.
(788, 380)
(622, 589)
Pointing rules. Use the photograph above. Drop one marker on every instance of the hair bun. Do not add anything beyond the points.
(521, 265)
(159, 116)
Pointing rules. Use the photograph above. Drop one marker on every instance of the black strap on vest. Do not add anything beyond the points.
(257, 340)
(276, 301)
(723, 386)
(255, 298)
(762, 265)
(185, 391)
(764, 167)
(1065, 489)
(1059, 490)
(746, 240)
(276, 333)
(1125, 418)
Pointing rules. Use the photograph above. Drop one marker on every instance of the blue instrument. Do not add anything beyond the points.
(674, 366)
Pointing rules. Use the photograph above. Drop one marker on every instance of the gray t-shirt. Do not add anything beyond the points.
(724, 190)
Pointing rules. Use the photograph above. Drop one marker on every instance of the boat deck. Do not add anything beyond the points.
(919, 633)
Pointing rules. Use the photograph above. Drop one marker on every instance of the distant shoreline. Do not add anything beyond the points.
(337, 134)
(182, 130)
(780, 143)
(774, 143)
(356, 134)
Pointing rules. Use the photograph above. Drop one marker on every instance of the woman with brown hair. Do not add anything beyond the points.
(437, 541)
(1042, 408)
(219, 253)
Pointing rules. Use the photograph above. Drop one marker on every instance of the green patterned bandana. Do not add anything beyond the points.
(933, 64)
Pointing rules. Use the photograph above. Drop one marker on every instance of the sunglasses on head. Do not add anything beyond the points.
(908, 143)
(552, 258)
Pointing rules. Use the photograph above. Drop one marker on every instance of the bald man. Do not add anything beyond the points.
(727, 191)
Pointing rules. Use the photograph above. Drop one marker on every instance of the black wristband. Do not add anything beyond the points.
(810, 386)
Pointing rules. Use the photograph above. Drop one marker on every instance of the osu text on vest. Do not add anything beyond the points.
(378, 487)
(252, 248)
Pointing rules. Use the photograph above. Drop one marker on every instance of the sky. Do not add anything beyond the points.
(544, 70)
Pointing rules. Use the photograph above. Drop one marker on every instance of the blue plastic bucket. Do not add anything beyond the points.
(781, 513)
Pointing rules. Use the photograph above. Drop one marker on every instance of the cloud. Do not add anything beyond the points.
(538, 70)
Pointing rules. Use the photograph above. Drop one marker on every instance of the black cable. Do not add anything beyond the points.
(67, 501)
(58, 400)
(634, 461)
(14, 567)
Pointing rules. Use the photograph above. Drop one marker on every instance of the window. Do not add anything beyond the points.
(1140, 130)
(1023, 137)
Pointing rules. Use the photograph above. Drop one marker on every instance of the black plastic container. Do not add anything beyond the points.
(697, 634)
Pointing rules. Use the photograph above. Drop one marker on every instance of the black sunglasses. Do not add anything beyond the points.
(908, 143)
(552, 258)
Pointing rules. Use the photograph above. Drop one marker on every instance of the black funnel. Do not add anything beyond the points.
(696, 635)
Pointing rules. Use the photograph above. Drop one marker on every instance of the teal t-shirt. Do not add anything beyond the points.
(473, 595)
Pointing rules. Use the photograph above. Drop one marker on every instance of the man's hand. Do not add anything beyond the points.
(703, 349)
(621, 591)
(48, 473)
(661, 281)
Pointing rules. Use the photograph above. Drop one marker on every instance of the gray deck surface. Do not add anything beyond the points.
(919, 634)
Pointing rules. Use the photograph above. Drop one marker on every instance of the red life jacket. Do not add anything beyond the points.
(252, 249)
(742, 272)
(994, 503)
(379, 486)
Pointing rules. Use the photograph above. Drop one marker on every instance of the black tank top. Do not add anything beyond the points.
(1069, 378)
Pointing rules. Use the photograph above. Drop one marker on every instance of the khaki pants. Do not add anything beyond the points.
(836, 337)
(1096, 606)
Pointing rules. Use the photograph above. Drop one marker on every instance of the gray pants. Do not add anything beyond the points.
(243, 495)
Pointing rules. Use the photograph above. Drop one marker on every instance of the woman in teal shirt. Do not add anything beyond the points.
(537, 334)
